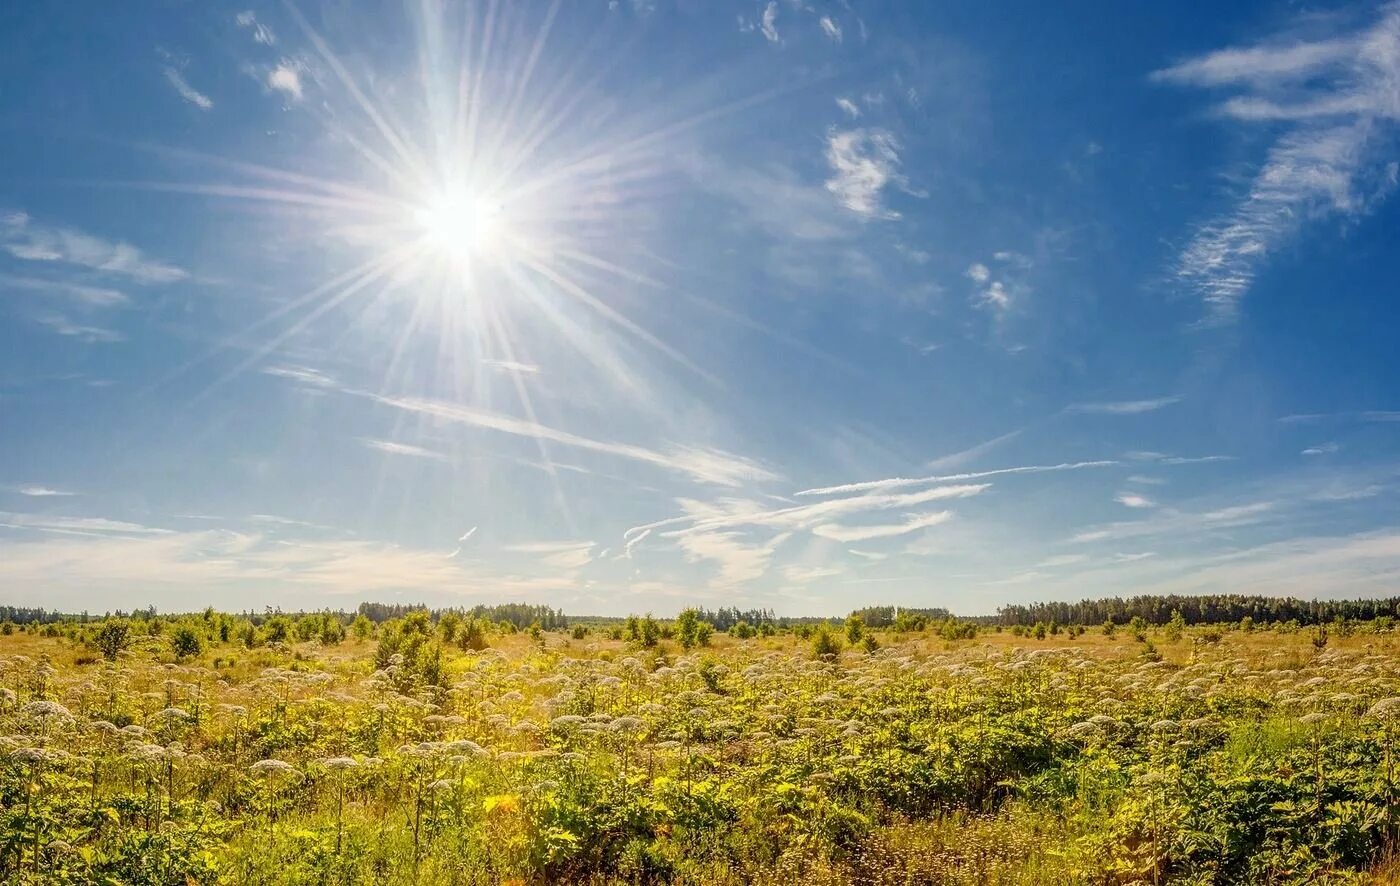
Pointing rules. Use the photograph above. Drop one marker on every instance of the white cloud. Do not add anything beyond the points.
(770, 21)
(995, 297)
(851, 108)
(1323, 449)
(868, 555)
(393, 448)
(261, 32)
(1134, 500)
(842, 533)
(564, 555)
(1171, 522)
(800, 574)
(1335, 98)
(286, 79)
(700, 464)
(24, 239)
(84, 333)
(978, 273)
(739, 560)
(898, 482)
(512, 367)
(863, 162)
(186, 91)
(747, 514)
(88, 296)
(1263, 65)
(830, 28)
(302, 375)
(74, 525)
(37, 491)
(1123, 407)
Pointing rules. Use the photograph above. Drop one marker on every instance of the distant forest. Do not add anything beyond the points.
(1207, 609)
(1153, 609)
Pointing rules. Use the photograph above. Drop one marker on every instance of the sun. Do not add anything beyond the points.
(460, 224)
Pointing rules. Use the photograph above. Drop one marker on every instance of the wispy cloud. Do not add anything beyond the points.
(899, 482)
(863, 162)
(34, 490)
(82, 332)
(1122, 407)
(994, 295)
(392, 448)
(74, 525)
(1134, 500)
(850, 108)
(186, 91)
(769, 22)
(557, 554)
(1331, 98)
(261, 32)
(302, 375)
(25, 239)
(87, 296)
(512, 367)
(701, 464)
(843, 533)
(1382, 416)
(830, 28)
(1322, 449)
(1169, 522)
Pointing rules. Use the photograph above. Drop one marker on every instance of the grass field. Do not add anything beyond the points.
(1214, 756)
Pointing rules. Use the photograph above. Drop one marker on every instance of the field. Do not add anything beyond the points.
(404, 755)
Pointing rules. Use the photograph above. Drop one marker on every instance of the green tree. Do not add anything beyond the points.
(855, 628)
(361, 628)
(448, 625)
(825, 642)
(687, 623)
(112, 637)
(1175, 627)
(185, 641)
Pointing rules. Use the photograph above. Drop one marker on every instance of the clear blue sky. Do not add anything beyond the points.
(627, 306)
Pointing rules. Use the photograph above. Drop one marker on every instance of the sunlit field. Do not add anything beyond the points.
(317, 749)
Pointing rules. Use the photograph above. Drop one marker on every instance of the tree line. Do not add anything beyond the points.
(1204, 609)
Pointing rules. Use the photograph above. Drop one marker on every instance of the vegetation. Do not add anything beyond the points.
(461, 747)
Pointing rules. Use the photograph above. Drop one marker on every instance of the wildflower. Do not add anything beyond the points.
(46, 709)
(1385, 709)
(272, 767)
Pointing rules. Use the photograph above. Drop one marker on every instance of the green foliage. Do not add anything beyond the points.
(1138, 627)
(691, 631)
(855, 629)
(361, 628)
(112, 637)
(1241, 759)
(186, 641)
(1175, 627)
(825, 642)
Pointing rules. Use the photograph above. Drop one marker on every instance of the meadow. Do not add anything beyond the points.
(217, 748)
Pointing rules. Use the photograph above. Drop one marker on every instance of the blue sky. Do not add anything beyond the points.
(634, 305)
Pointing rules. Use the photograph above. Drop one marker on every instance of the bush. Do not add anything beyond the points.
(825, 642)
(113, 637)
(186, 642)
(855, 629)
